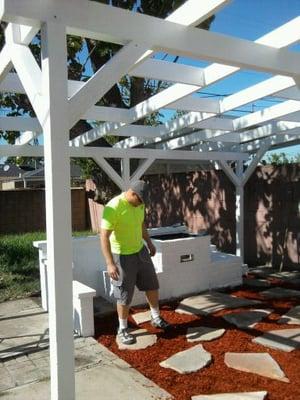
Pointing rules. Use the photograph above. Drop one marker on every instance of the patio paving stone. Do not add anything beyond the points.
(209, 303)
(282, 339)
(292, 317)
(246, 319)
(141, 317)
(256, 283)
(232, 396)
(188, 361)
(257, 363)
(278, 293)
(143, 339)
(203, 333)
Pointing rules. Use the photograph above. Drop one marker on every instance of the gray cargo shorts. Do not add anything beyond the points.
(134, 270)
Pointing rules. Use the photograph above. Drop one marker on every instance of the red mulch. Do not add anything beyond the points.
(217, 377)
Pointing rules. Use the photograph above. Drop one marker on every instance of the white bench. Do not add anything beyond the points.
(83, 309)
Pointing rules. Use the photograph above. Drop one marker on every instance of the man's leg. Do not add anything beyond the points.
(156, 320)
(152, 297)
(123, 312)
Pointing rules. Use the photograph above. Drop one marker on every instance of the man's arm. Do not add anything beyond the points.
(112, 269)
(147, 239)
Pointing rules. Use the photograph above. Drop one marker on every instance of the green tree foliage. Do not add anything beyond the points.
(126, 94)
(282, 158)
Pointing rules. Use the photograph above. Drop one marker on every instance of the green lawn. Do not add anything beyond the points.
(19, 265)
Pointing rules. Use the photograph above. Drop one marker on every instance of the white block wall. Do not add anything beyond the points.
(209, 268)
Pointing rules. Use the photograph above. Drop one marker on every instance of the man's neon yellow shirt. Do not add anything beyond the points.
(126, 222)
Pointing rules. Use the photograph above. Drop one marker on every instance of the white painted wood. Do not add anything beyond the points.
(20, 124)
(103, 80)
(107, 168)
(112, 114)
(239, 212)
(269, 130)
(255, 92)
(120, 26)
(193, 103)
(187, 140)
(229, 172)
(11, 83)
(192, 13)
(275, 140)
(58, 211)
(94, 152)
(294, 117)
(170, 72)
(267, 114)
(292, 93)
(141, 131)
(125, 170)
(212, 74)
(5, 62)
(185, 17)
(251, 167)
(26, 137)
(141, 169)
(29, 72)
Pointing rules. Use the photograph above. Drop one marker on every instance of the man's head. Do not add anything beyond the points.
(137, 194)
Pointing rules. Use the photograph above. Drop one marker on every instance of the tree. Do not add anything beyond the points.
(126, 94)
(282, 158)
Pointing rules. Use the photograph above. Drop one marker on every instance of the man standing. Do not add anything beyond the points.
(128, 260)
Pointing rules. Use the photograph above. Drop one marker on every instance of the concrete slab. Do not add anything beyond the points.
(143, 339)
(212, 302)
(257, 363)
(232, 396)
(292, 317)
(141, 317)
(282, 339)
(115, 380)
(246, 319)
(278, 293)
(287, 276)
(203, 333)
(23, 328)
(188, 361)
(256, 283)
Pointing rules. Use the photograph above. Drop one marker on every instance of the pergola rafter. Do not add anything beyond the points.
(205, 133)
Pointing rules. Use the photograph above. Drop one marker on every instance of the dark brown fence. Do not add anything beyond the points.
(23, 210)
(203, 200)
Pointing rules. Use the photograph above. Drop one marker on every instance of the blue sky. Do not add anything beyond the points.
(249, 19)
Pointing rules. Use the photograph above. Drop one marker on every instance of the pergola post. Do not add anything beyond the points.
(239, 211)
(58, 210)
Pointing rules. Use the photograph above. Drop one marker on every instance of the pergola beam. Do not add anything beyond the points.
(108, 152)
(120, 26)
(103, 80)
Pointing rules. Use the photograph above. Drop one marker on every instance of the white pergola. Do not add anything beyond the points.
(203, 133)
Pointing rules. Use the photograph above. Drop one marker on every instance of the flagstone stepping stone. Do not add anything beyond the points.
(289, 276)
(256, 283)
(143, 339)
(203, 333)
(232, 396)
(211, 302)
(257, 363)
(141, 317)
(292, 317)
(188, 361)
(282, 339)
(246, 319)
(278, 293)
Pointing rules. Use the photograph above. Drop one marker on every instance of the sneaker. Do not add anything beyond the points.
(159, 322)
(125, 337)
